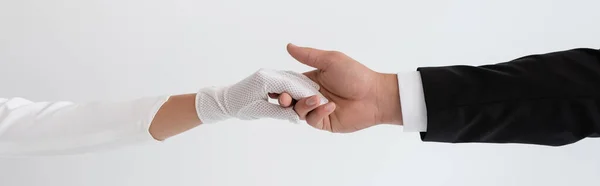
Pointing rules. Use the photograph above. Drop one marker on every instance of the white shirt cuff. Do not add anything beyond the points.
(412, 101)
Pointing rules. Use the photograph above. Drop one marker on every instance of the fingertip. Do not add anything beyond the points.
(285, 100)
(330, 107)
(289, 47)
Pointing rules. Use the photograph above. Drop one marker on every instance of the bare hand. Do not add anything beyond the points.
(359, 97)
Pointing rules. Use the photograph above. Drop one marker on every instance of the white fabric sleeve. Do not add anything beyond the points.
(412, 101)
(54, 128)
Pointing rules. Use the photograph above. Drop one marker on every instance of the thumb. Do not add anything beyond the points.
(308, 56)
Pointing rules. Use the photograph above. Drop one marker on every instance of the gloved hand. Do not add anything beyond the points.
(248, 99)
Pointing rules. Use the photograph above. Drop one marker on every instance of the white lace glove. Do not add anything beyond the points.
(248, 99)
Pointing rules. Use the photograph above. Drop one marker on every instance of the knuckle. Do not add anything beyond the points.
(261, 73)
(298, 108)
(302, 107)
(261, 76)
(333, 55)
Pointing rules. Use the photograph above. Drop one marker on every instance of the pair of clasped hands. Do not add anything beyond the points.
(347, 95)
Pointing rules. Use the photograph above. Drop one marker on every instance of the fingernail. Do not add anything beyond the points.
(311, 101)
(329, 107)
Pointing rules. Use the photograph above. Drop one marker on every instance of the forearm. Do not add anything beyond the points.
(43, 128)
(177, 115)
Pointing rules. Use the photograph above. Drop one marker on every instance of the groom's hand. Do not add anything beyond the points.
(359, 97)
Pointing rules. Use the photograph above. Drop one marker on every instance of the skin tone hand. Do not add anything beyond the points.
(360, 97)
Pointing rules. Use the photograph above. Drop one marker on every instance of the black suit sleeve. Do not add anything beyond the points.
(546, 99)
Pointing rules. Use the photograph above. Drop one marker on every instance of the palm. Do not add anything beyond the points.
(349, 85)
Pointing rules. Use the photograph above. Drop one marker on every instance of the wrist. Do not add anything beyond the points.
(176, 115)
(388, 99)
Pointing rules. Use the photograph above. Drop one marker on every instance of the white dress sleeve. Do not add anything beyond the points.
(53, 128)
